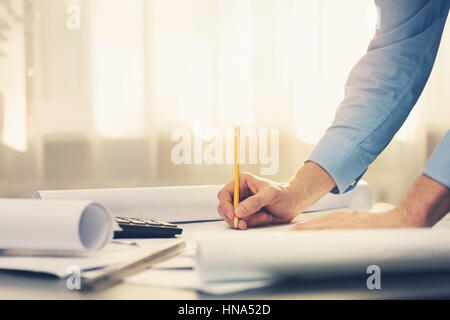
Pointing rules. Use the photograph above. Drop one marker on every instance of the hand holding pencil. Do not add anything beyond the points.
(263, 201)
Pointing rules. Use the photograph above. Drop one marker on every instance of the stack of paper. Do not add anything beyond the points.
(59, 263)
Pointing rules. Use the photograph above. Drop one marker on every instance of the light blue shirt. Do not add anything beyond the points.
(382, 89)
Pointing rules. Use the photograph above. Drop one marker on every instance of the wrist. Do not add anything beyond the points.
(309, 185)
(406, 216)
(426, 203)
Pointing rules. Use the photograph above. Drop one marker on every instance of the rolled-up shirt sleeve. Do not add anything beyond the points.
(382, 88)
(438, 166)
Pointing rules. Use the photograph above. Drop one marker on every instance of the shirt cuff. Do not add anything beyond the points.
(438, 166)
(341, 159)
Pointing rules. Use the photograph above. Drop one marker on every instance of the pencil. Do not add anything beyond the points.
(236, 173)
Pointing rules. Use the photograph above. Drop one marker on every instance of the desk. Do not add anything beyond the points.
(22, 285)
(15, 285)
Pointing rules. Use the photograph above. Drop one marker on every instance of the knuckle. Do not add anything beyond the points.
(275, 193)
(255, 202)
(244, 175)
(247, 175)
(221, 194)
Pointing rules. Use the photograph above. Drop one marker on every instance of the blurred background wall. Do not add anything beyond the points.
(91, 90)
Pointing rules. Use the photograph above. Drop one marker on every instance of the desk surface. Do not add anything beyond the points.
(23, 285)
(16, 285)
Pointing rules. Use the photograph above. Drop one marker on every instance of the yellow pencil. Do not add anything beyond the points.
(236, 173)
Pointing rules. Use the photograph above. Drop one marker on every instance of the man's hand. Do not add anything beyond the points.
(355, 220)
(424, 206)
(264, 202)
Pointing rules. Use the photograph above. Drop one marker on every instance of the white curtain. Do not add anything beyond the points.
(113, 91)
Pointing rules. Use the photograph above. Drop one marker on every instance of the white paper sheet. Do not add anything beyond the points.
(322, 253)
(54, 225)
(180, 272)
(192, 232)
(190, 280)
(189, 203)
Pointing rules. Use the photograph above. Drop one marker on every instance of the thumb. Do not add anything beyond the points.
(254, 203)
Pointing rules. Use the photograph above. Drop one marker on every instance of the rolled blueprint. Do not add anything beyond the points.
(186, 203)
(172, 204)
(322, 254)
(54, 225)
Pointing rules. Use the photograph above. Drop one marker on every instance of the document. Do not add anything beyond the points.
(188, 203)
(326, 253)
(54, 225)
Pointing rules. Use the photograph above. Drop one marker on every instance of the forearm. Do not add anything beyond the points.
(309, 185)
(382, 88)
(425, 204)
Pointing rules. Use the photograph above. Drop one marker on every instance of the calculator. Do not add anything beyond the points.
(145, 228)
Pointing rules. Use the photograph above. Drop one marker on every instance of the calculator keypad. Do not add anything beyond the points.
(145, 228)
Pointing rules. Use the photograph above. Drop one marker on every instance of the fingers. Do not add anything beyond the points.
(251, 184)
(226, 208)
(248, 185)
(303, 226)
(331, 221)
(224, 215)
(261, 218)
(242, 225)
(255, 203)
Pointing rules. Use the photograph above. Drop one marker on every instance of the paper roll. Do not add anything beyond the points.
(186, 203)
(172, 204)
(54, 225)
